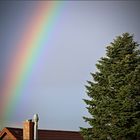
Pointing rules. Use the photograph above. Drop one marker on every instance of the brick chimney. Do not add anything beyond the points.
(28, 130)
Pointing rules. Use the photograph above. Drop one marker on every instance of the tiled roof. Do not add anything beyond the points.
(59, 135)
(17, 132)
(49, 134)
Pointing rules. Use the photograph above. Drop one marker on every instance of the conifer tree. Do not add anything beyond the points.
(114, 92)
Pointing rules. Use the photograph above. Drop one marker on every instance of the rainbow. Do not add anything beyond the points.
(36, 34)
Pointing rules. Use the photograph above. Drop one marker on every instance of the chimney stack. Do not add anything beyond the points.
(28, 130)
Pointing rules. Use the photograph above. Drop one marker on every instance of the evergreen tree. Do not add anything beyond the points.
(114, 92)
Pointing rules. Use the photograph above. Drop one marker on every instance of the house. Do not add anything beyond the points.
(27, 133)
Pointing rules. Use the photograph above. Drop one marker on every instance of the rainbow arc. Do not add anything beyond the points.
(28, 50)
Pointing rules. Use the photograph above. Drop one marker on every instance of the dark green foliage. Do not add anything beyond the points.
(114, 93)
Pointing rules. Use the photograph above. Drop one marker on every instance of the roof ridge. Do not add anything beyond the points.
(13, 127)
(44, 129)
(58, 130)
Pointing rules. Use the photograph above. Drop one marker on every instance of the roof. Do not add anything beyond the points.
(59, 135)
(17, 132)
(47, 134)
(12, 133)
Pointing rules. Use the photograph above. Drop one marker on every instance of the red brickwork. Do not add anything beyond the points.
(28, 130)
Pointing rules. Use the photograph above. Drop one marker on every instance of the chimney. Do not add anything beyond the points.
(28, 130)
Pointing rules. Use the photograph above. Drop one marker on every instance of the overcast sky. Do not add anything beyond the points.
(55, 89)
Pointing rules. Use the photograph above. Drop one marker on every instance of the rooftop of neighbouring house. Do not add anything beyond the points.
(43, 134)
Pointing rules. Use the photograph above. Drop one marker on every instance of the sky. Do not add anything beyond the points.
(75, 40)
